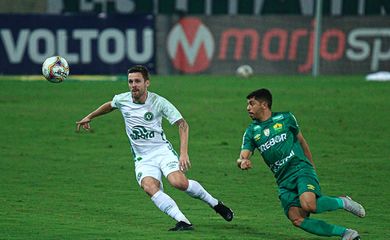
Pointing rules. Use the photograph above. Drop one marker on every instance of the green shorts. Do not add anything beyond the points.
(304, 180)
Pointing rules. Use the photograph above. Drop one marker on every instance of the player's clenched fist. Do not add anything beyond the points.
(244, 164)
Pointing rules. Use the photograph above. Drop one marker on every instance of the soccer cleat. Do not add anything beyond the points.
(224, 211)
(182, 226)
(353, 207)
(351, 234)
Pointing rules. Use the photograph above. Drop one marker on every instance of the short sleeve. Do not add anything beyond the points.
(114, 101)
(294, 127)
(247, 141)
(169, 111)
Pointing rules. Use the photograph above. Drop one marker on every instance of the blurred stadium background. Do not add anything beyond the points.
(195, 36)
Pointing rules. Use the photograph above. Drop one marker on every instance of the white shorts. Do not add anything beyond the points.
(153, 164)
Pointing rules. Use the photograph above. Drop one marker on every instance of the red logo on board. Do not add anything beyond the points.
(190, 45)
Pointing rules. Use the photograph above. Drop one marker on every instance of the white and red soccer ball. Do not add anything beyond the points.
(55, 69)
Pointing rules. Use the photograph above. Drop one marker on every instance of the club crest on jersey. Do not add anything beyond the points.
(257, 137)
(148, 116)
(266, 132)
(278, 126)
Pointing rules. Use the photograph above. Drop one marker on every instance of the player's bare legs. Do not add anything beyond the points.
(150, 185)
(297, 215)
(308, 202)
(178, 180)
(193, 188)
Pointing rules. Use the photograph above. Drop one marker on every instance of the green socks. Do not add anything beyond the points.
(325, 203)
(321, 228)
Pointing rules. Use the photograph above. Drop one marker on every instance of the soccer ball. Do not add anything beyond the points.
(244, 71)
(55, 69)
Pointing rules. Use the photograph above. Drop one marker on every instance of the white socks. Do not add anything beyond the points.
(196, 190)
(166, 204)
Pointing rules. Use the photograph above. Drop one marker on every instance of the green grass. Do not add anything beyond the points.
(58, 184)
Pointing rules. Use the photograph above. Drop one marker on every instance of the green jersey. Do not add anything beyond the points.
(276, 139)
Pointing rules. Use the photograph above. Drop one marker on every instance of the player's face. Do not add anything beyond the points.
(138, 86)
(255, 108)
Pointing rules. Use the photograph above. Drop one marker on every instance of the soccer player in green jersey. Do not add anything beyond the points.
(285, 151)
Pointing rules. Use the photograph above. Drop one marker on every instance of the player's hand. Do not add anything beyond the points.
(184, 163)
(244, 164)
(83, 123)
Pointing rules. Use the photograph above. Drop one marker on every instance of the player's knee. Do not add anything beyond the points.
(178, 180)
(297, 221)
(181, 184)
(309, 206)
(308, 202)
(150, 187)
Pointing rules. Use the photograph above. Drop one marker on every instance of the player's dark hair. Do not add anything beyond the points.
(262, 94)
(141, 69)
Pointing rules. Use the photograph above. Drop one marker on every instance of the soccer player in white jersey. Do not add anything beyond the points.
(153, 154)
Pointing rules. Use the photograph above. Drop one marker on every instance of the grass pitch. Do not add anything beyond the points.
(58, 184)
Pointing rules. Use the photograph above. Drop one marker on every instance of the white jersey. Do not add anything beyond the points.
(143, 122)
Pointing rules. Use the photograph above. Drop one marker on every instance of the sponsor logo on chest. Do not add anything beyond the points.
(275, 167)
(140, 132)
(271, 142)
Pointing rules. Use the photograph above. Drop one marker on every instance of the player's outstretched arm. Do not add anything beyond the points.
(103, 109)
(184, 159)
(243, 162)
